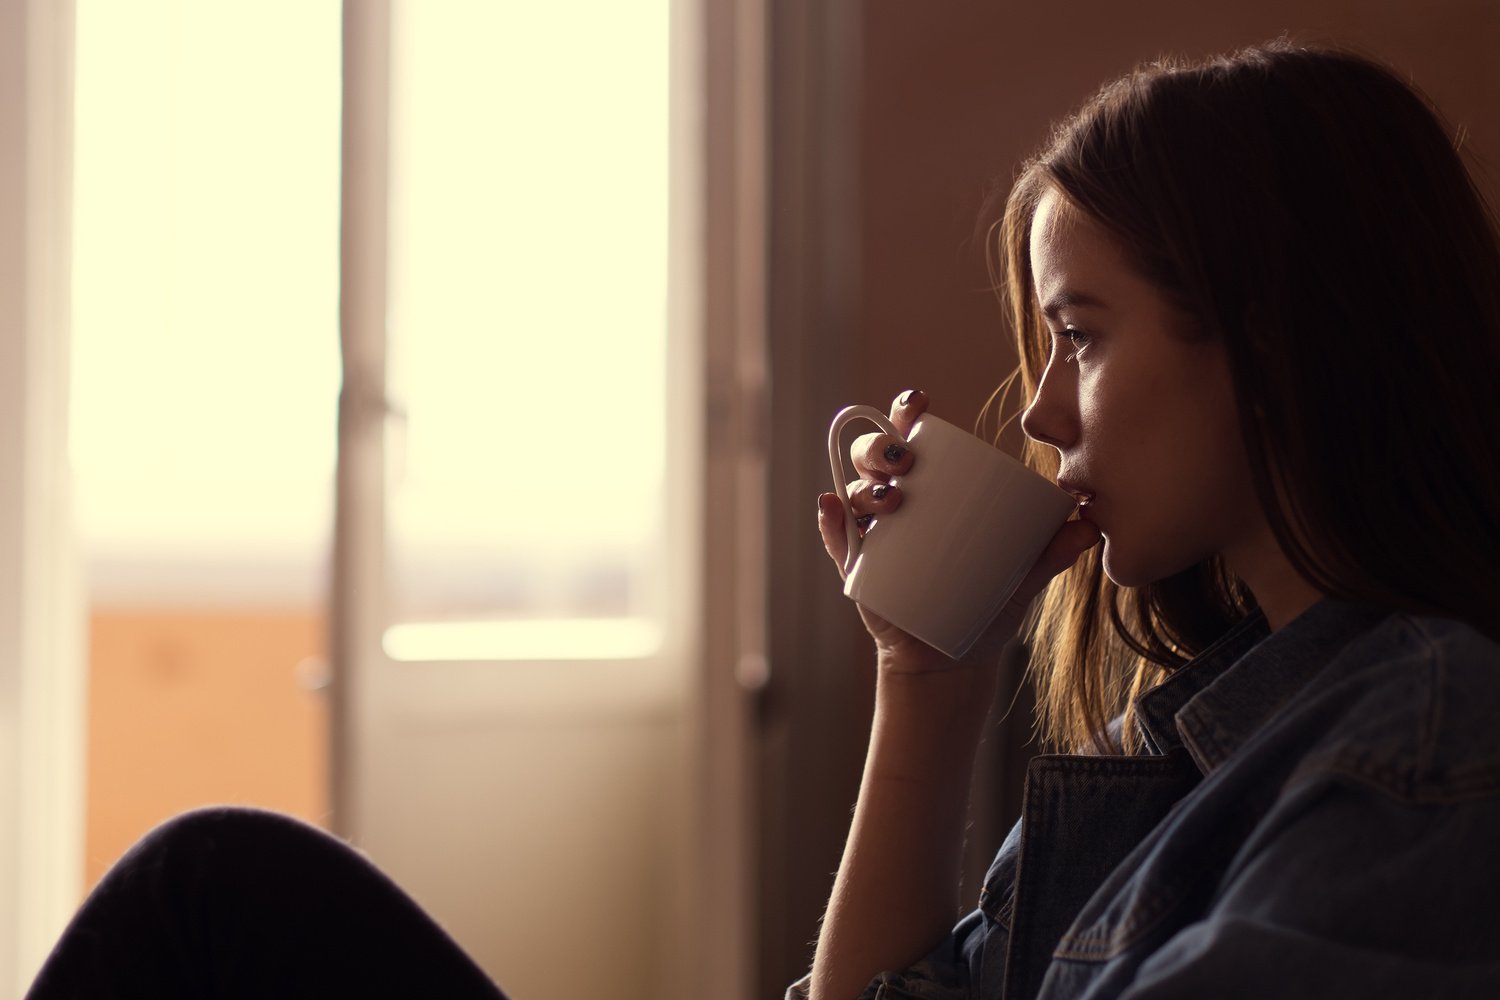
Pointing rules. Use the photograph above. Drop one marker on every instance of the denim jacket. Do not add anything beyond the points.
(1316, 813)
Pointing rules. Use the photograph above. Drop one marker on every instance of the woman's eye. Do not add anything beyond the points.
(1079, 342)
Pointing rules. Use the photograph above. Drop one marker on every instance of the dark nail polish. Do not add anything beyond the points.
(879, 491)
(907, 395)
(864, 522)
(894, 453)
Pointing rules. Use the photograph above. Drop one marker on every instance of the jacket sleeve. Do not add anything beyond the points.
(969, 964)
(942, 975)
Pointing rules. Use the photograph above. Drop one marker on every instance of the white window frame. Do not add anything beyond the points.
(42, 706)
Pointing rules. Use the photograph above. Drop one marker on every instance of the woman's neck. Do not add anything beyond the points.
(1279, 589)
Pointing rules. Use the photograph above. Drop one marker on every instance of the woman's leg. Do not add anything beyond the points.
(231, 902)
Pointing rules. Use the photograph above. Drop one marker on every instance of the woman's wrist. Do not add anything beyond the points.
(907, 655)
(954, 697)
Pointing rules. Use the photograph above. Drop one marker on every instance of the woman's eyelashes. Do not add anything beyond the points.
(1079, 342)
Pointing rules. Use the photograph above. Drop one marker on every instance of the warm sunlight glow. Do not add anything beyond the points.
(205, 357)
(527, 307)
(537, 639)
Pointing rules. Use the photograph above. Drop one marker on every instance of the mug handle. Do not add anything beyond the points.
(836, 461)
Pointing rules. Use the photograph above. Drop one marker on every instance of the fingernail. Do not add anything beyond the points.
(894, 453)
(879, 491)
(864, 522)
(906, 396)
(823, 502)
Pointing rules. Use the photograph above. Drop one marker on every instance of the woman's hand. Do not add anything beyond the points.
(880, 457)
(877, 459)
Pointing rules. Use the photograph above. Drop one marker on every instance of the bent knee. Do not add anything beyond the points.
(226, 831)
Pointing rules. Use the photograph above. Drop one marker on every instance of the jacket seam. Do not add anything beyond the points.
(1437, 677)
(1459, 788)
(1085, 947)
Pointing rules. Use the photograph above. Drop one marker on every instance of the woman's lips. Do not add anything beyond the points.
(1080, 493)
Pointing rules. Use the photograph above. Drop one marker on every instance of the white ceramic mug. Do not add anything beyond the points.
(972, 522)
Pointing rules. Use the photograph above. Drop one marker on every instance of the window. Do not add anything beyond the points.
(527, 314)
(205, 384)
(205, 353)
(527, 329)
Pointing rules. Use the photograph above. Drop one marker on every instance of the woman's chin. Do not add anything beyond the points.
(1125, 571)
(1129, 569)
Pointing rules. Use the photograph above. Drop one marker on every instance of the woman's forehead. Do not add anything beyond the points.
(1051, 221)
(1067, 245)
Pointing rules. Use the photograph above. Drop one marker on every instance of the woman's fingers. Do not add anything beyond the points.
(868, 499)
(1072, 540)
(880, 456)
(906, 408)
(877, 459)
(831, 527)
(872, 499)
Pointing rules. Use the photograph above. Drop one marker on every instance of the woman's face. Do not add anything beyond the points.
(1142, 414)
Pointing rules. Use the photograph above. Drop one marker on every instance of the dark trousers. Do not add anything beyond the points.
(229, 902)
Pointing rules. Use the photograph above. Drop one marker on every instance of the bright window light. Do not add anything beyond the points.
(527, 312)
(527, 321)
(205, 355)
(534, 639)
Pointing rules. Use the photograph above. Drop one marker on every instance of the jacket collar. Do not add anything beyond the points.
(1226, 694)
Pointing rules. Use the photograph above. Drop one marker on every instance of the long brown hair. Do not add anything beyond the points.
(1312, 211)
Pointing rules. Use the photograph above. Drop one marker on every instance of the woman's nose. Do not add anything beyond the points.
(1049, 418)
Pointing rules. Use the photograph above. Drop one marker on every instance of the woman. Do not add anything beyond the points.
(1257, 306)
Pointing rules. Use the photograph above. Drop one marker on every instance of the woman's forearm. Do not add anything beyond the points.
(896, 893)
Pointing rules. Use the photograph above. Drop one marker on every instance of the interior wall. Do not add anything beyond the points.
(947, 100)
(193, 707)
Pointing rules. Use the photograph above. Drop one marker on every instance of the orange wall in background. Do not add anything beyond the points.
(195, 708)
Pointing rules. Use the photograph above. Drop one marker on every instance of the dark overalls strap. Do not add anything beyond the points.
(1080, 817)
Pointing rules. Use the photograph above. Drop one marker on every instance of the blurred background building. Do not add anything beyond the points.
(412, 414)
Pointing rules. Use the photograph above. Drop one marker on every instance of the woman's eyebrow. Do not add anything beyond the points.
(1069, 299)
